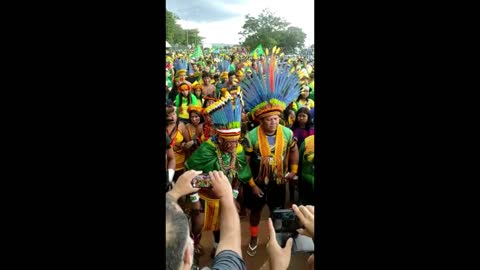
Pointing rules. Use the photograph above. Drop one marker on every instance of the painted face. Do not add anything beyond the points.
(206, 80)
(269, 124)
(194, 119)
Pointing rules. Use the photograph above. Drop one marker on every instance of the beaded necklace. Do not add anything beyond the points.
(231, 169)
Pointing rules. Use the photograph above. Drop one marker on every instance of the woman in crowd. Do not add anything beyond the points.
(198, 92)
(303, 100)
(184, 99)
(176, 139)
(193, 131)
(303, 125)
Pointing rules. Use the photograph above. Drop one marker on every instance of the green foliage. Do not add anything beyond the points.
(270, 31)
(175, 34)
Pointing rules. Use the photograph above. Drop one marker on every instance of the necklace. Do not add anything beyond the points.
(229, 170)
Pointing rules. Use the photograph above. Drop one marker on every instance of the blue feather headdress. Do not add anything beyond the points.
(224, 68)
(271, 88)
(180, 66)
(226, 116)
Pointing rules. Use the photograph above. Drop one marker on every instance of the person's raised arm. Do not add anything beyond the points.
(230, 233)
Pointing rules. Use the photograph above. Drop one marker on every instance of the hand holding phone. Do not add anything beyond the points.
(286, 223)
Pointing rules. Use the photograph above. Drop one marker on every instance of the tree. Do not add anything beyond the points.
(169, 26)
(291, 39)
(270, 31)
(175, 34)
(193, 36)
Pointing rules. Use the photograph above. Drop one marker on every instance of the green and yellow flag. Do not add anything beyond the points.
(257, 52)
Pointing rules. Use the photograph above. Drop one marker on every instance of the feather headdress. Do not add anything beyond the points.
(224, 68)
(271, 88)
(180, 66)
(226, 117)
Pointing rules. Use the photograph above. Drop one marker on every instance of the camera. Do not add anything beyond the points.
(285, 221)
(286, 224)
(202, 181)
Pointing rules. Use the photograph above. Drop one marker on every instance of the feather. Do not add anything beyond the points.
(270, 81)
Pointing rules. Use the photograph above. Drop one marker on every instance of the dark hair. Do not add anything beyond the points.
(205, 74)
(197, 113)
(189, 95)
(205, 100)
(309, 123)
(176, 223)
(300, 96)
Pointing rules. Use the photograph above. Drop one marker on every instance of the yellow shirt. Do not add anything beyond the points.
(298, 104)
(179, 154)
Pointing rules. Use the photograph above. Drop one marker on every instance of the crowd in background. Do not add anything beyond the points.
(218, 119)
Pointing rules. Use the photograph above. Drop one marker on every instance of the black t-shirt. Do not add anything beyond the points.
(228, 260)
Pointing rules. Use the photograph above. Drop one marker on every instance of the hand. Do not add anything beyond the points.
(184, 184)
(220, 185)
(257, 191)
(279, 257)
(306, 214)
(291, 177)
(189, 144)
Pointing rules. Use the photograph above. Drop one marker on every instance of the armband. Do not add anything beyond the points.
(194, 198)
(251, 183)
(171, 173)
(294, 168)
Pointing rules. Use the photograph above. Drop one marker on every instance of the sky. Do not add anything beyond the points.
(220, 21)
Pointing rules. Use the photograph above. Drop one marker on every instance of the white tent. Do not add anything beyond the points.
(167, 44)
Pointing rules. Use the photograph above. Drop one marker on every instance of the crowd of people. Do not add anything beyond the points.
(247, 122)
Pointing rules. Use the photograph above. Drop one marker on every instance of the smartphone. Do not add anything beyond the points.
(286, 224)
(202, 181)
(285, 221)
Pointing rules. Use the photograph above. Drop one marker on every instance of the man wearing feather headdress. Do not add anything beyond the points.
(271, 149)
(221, 152)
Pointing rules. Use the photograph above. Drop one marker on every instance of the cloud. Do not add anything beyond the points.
(203, 10)
(220, 21)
